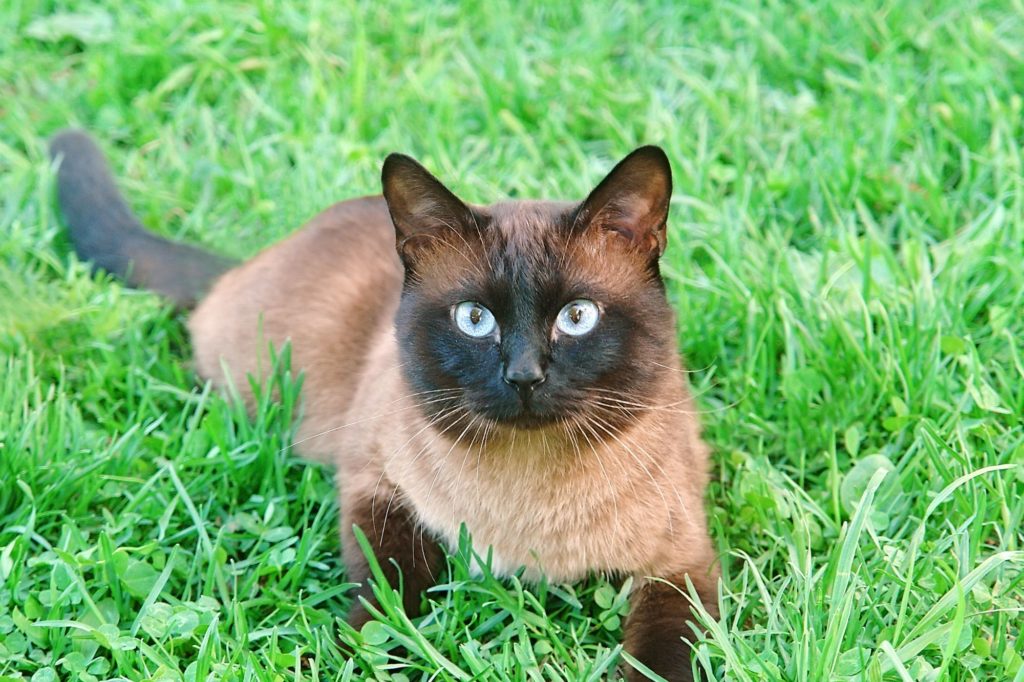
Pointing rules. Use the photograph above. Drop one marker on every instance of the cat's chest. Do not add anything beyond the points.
(561, 523)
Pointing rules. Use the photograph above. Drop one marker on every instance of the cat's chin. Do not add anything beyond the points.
(527, 421)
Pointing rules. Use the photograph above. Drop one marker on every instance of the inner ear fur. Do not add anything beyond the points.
(632, 201)
(422, 209)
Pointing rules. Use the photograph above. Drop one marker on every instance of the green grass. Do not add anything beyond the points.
(847, 260)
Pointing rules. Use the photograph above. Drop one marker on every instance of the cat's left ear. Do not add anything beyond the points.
(632, 201)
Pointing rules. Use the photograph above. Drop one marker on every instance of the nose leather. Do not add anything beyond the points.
(524, 376)
(524, 367)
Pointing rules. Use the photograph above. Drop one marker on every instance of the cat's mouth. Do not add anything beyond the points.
(533, 413)
(517, 410)
(473, 408)
(470, 415)
(525, 420)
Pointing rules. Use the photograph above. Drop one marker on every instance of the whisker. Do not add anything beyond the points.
(401, 448)
(629, 451)
(585, 426)
(446, 455)
(668, 479)
(681, 370)
(667, 407)
(362, 420)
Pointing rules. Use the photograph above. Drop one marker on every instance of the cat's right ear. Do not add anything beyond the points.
(425, 212)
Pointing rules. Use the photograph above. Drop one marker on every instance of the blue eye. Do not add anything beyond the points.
(577, 317)
(473, 319)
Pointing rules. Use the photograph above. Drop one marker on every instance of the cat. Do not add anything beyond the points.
(511, 367)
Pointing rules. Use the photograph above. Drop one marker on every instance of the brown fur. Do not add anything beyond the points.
(104, 230)
(623, 496)
(331, 290)
(397, 538)
(660, 615)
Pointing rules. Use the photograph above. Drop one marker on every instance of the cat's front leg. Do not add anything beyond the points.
(658, 629)
(396, 538)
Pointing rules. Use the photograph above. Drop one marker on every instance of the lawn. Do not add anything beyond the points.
(846, 259)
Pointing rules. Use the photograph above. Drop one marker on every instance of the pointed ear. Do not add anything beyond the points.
(632, 201)
(422, 209)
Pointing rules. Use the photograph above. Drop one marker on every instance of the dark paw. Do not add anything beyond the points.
(358, 616)
(674, 666)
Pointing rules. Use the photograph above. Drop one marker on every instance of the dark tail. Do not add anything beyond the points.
(104, 230)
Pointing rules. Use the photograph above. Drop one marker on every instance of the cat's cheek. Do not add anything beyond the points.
(584, 361)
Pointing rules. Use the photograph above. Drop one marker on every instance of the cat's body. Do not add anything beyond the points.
(530, 495)
(580, 455)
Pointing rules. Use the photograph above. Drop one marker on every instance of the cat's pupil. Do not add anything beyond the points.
(474, 316)
(575, 314)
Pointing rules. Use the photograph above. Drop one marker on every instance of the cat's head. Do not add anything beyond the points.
(532, 314)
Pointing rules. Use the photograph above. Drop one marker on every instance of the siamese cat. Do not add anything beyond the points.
(511, 367)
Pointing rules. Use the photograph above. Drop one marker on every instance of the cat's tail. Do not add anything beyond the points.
(105, 231)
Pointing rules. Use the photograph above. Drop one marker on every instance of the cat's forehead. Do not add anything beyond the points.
(525, 226)
(535, 213)
(521, 237)
(531, 248)
(527, 246)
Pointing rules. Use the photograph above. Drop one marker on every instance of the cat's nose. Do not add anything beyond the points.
(524, 376)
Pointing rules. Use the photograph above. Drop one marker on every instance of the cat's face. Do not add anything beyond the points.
(532, 314)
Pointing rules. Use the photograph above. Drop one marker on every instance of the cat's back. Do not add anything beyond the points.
(330, 289)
